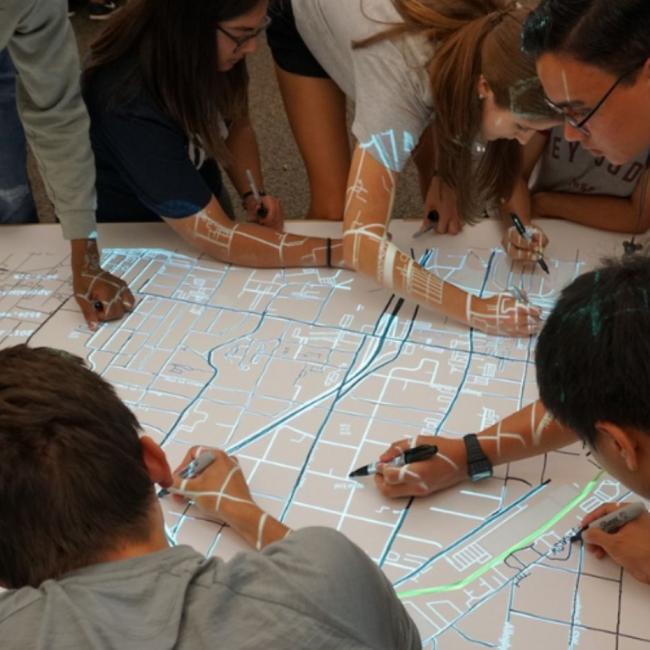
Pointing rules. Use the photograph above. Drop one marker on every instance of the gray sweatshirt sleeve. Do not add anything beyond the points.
(43, 48)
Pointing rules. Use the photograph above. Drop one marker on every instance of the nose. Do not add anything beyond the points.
(571, 134)
(249, 47)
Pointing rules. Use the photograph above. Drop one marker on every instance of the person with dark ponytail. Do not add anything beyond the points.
(167, 92)
(444, 81)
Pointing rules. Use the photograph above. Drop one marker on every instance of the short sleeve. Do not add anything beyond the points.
(345, 583)
(151, 156)
(391, 109)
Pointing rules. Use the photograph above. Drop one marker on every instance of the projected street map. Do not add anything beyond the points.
(308, 374)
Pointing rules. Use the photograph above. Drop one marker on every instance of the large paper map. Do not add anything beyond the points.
(307, 374)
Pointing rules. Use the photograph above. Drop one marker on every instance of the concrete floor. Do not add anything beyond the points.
(283, 168)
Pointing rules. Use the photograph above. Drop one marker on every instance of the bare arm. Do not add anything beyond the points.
(631, 215)
(250, 244)
(369, 202)
(528, 432)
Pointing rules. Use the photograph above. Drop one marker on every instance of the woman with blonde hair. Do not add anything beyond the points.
(444, 81)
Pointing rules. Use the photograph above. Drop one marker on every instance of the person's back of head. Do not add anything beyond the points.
(611, 35)
(73, 484)
(593, 355)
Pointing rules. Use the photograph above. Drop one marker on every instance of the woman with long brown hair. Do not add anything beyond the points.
(441, 77)
(166, 88)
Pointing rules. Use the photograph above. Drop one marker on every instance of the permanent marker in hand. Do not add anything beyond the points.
(421, 452)
(261, 211)
(432, 218)
(193, 468)
(611, 522)
(521, 229)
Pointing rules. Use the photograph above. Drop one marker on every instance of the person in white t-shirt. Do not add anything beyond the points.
(430, 79)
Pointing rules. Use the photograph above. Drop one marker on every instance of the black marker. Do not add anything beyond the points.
(261, 210)
(421, 452)
(98, 305)
(432, 218)
(611, 522)
(521, 229)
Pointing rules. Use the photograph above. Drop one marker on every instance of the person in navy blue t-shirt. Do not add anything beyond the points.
(166, 88)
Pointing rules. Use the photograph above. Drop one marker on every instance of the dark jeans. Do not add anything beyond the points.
(16, 203)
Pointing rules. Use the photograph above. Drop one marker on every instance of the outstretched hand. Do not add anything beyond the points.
(522, 248)
(100, 295)
(274, 217)
(503, 314)
(629, 546)
(448, 467)
(219, 491)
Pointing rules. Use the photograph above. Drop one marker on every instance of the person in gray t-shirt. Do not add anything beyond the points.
(85, 557)
(39, 39)
(567, 181)
(430, 80)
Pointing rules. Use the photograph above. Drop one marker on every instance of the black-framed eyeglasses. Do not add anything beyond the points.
(579, 123)
(240, 41)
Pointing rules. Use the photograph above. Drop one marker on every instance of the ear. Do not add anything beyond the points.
(619, 441)
(483, 89)
(156, 462)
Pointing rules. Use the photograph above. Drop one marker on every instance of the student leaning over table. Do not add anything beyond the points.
(436, 80)
(39, 38)
(167, 91)
(593, 373)
(85, 556)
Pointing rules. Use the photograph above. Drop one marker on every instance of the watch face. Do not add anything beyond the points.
(479, 470)
(479, 476)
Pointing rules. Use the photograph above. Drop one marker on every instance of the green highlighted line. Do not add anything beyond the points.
(454, 586)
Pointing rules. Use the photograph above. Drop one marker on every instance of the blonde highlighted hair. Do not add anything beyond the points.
(473, 38)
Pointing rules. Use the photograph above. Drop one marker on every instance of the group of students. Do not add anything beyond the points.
(462, 88)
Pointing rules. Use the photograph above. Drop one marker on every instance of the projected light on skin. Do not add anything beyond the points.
(253, 245)
(369, 203)
(426, 477)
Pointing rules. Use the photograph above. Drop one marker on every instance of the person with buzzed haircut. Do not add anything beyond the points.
(84, 553)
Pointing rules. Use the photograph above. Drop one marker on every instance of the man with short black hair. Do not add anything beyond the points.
(593, 58)
(593, 372)
(84, 551)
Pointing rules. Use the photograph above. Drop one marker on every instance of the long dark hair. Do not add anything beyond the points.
(473, 37)
(174, 45)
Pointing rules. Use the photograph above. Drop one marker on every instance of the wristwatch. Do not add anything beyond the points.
(478, 464)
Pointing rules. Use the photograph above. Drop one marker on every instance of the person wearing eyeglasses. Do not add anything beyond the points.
(167, 92)
(593, 59)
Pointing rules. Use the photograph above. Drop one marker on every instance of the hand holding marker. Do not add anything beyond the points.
(261, 210)
(421, 452)
(611, 522)
(198, 465)
(432, 218)
(521, 229)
